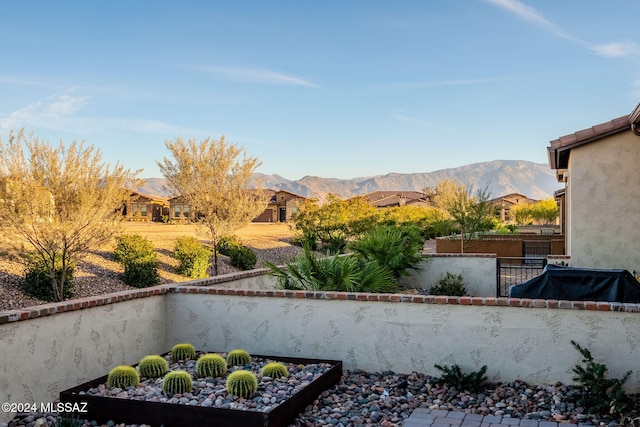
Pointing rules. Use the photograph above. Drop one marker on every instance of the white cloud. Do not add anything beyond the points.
(256, 75)
(532, 15)
(617, 49)
(60, 113)
(609, 50)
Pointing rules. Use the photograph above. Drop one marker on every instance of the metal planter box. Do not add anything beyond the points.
(103, 409)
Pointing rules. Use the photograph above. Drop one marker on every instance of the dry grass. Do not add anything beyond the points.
(98, 273)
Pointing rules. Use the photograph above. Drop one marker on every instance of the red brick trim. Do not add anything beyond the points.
(200, 287)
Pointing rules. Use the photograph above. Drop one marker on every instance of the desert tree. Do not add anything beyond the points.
(543, 212)
(214, 177)
(56, 202)
(468, 208)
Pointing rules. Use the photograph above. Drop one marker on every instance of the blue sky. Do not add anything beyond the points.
(337, 89)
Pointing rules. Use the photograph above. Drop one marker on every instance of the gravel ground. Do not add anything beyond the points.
(387, 399)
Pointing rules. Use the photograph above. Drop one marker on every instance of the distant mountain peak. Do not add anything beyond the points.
(500, 177)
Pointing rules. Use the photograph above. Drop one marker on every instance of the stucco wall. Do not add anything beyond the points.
(42, 356)
(604, 203)
(515, 343)
(478, 272)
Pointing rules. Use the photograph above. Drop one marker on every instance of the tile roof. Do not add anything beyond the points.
(559, 149)
(382, 199)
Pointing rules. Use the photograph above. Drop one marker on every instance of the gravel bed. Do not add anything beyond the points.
(387, 399)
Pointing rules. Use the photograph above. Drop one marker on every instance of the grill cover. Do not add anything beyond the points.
(580, 284)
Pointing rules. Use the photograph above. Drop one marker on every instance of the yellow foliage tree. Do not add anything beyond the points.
(58, 202)
(214, 178)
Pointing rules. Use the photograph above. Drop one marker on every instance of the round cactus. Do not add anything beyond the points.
(153, 366)
(211, 365)
(238, 358)
(177, 382)
(123, 376)
(183, 352)
(242, 383)
(274, 370)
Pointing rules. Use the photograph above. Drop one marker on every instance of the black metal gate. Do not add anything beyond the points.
(515, 270)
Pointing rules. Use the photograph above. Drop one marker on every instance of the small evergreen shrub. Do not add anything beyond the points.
(227, 244)
(37, 279)
(274, 370)
(242, 383)
(123, 376)
(153, 366)
(238, 358)
(193, 257)
(183, 351)
(450, 285)
(211, 365)
(305, 240)
(177, 382)
(453, 376)
(139, 258)
(69, 421)
(243, 257)
(600, 395)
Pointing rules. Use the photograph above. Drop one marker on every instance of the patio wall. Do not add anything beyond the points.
(478, 272)
(516, 339)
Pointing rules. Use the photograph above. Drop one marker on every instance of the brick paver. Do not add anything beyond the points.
(425, 417)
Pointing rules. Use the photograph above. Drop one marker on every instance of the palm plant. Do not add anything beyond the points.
(311, 272)
(397, 248)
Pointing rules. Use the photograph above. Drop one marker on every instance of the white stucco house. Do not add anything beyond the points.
(600, 167)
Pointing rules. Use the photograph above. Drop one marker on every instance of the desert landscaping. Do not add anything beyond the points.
(99, 274)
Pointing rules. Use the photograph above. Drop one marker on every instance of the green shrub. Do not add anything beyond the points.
(226, 244)
(397, 248)
(177, 382)
(139, 258)
(453, 376)
(305, 240)
(123, 376)
(69, 421)
(153, 366)
(37, 279)
(243, 257)
(451, 285)
(211, 365)
(274, 370)
(238, 358)
(242, 383)
(193, 257)
(600, 395)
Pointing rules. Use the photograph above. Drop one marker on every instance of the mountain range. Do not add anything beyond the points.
(499, 177)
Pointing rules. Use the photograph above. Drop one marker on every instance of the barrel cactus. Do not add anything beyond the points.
(274, 370)
(123, 376)
(153, 366)
(211, 365)
(242, 383)
(183, 352)
(177, 382)
(238, 358)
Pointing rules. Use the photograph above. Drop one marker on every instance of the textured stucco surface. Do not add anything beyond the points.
(603, 195)
(515, 343)
(478, 273)
(41, 357)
